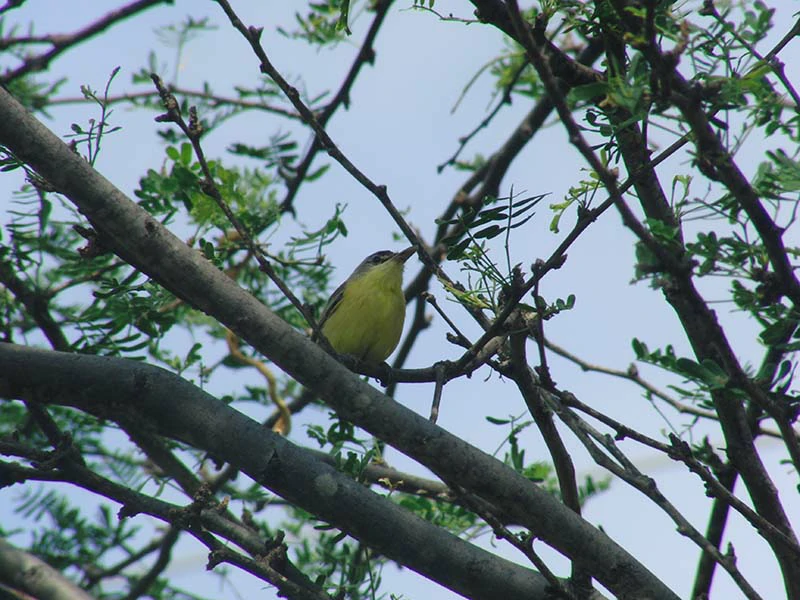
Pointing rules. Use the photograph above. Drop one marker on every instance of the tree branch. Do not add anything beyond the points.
(197, 518)
(27, 573)
(174, 408)
(61, 43)
(37, 305)
(365, 55)
(141, 240)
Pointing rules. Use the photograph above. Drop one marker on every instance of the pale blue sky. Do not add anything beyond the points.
(398, 128)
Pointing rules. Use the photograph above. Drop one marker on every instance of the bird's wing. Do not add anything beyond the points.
(332, 305)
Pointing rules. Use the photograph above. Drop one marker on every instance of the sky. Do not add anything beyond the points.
(400, 125)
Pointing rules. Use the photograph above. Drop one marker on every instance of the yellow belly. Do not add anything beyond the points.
(367, 324)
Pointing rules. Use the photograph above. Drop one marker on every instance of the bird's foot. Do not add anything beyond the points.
(384, 374)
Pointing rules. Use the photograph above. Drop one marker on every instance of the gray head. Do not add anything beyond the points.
(373, 260)
(380, 257)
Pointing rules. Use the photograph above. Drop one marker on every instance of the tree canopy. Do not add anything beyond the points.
(602, 197)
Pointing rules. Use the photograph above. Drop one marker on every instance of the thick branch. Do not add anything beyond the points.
(197, 518)
(136, 236)
(121, 390)
(709, 342)
(36, 303)
(25, 572)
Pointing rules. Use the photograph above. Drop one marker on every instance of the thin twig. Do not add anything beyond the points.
(144, 583)
(523, 543)
(437, 393)
(193, 132)
(216, 100)
(505, 100)
(771, 60)
(678, 451)
(632, 374)
(365, 55)
(63, 42)
(623, 468)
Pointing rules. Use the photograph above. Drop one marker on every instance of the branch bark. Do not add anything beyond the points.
(127, 391)
(139, 239)
(27, 573)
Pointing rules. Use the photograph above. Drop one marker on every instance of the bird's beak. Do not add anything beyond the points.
(404, 255)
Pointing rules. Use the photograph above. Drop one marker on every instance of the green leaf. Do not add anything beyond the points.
(715, 376)
(639, 349)
(488, 232)
(456, 252)
(588, 92)
(314, 175)
(187, 153)
(777, 332)
(690, 368)
(341, 24)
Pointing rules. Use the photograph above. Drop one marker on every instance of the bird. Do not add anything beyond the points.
(364, 317)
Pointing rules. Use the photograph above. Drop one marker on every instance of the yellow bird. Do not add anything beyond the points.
(364, 316)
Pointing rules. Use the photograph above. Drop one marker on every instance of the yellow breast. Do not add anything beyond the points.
(368, 321)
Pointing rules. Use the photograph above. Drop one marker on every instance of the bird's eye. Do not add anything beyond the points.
(379, 257)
